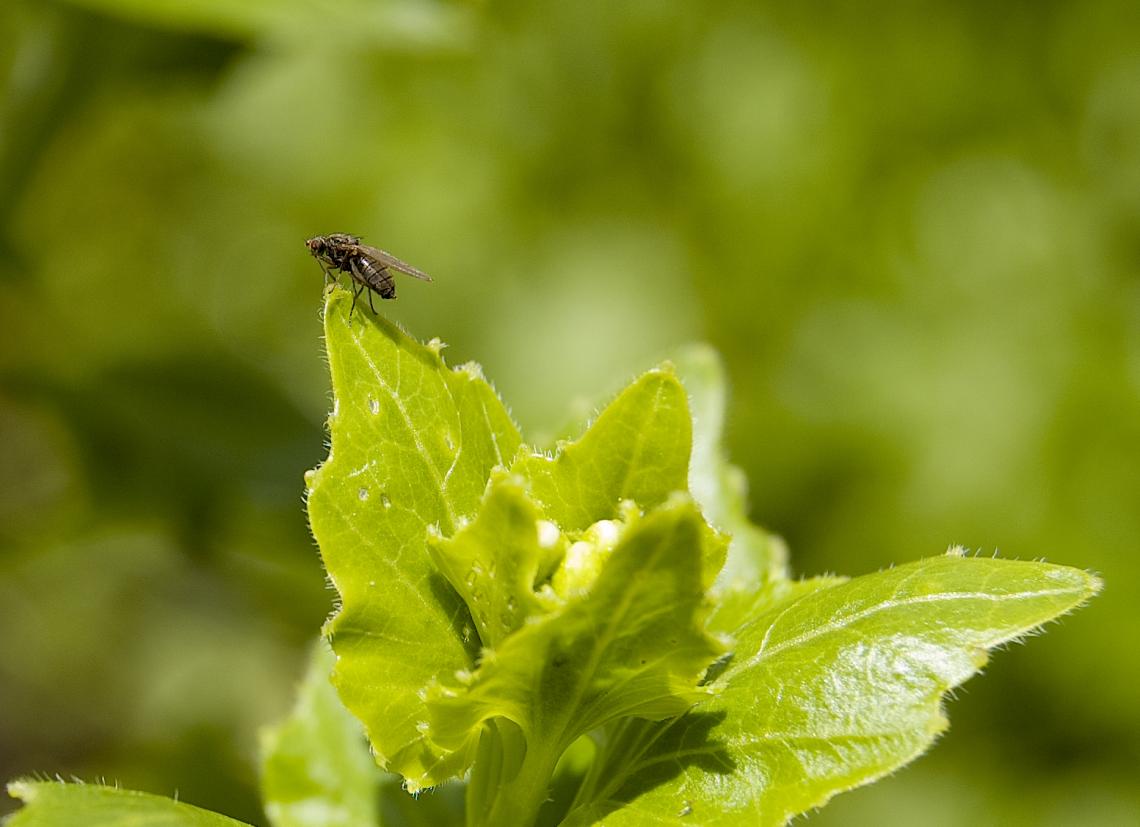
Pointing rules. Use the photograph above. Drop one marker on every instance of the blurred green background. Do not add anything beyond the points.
(913, 232)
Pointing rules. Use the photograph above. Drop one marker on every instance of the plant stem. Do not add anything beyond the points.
(501, 798)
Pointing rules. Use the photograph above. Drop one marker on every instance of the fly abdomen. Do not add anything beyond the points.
(376, 278)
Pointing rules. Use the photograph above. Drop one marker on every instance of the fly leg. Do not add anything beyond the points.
(355, 296)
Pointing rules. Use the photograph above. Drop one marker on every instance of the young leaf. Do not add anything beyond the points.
(827, 691)
(56, 804)
(637, 449)
(315, 767)
(413, 445)
(493, 561)
(633, 644)
(754, 556)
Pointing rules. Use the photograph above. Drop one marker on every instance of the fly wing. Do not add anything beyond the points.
(384, 259)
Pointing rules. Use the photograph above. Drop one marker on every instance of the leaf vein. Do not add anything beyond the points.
(836, 625)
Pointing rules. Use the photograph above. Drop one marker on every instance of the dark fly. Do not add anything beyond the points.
(369, 267)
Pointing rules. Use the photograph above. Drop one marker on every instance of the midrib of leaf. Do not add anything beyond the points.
(588, 710)
(783, 738)
(617, 621)
(588, 673)
(441, 481)
(490, 430)
(633, 460)
(834, 626)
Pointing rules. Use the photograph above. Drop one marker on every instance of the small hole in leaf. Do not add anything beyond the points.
(363, 494)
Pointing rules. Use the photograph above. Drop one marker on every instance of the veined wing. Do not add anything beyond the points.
(384, 259)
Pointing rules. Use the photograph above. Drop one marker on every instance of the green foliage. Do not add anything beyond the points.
(911, 238)
(586, 580)
(413, 444)
(499, 603)
(56, 804)
(316, 770)
(832, 684)
(586, 576)
(637, 449)
(628, 643)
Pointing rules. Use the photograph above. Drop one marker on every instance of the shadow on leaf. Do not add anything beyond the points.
(643, 755)
(458, 614)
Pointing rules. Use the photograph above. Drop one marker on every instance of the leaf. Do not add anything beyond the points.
(754, 556)
(56, 804)
(637, 449)
(586, 575)
(413, 445)
(493, 561)
(829, 689)
(317, 771)
(632, 645)
(315, 767)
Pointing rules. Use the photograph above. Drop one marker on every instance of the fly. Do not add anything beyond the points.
(369, 267)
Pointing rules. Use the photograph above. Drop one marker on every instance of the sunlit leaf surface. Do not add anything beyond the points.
(56, 804)
(637, 449)
(413, 445)
(835, 686)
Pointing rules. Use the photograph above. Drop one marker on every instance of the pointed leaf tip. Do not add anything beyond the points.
(831, 685)
(413, 444)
